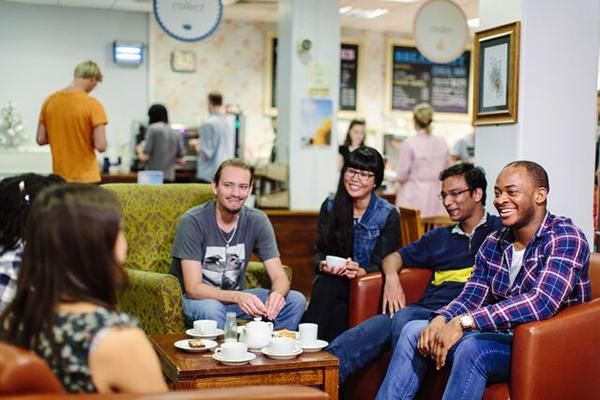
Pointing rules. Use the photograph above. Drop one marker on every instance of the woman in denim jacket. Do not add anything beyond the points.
(356, 225)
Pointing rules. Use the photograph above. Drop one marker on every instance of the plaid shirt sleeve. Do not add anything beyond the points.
(562, 257)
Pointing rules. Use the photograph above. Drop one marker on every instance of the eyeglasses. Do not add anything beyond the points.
(363, 176)
(452, 195)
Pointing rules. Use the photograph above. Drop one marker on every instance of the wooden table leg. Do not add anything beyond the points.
(331, 383)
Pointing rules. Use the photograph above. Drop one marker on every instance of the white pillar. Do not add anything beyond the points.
(557, 100)
(312, 169)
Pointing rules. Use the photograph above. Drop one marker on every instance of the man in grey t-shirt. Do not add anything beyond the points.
(212, 248)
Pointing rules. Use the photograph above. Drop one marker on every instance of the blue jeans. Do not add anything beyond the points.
(475, 359)
(363, 343)
(288, 317)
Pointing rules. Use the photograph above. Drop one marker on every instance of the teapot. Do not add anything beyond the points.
(257, 334)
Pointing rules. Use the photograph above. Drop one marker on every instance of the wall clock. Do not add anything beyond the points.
(183, 61)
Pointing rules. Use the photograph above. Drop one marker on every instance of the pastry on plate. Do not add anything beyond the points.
(286, 333)
(196, 343)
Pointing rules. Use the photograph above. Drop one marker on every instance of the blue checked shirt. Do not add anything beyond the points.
(554, 275)
(10, 261)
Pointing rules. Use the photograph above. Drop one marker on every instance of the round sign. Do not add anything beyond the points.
(440, 31)
(188, 20)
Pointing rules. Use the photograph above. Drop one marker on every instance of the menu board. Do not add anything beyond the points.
(415, 79)
(349, 78)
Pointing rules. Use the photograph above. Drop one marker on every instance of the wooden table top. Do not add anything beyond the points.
(189, 364)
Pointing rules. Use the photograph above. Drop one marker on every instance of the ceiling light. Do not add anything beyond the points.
(363, 13)
(473, 22)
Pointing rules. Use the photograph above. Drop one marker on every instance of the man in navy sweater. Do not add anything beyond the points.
(448, 251)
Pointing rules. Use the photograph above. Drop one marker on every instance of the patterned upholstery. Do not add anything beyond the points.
(150, 217)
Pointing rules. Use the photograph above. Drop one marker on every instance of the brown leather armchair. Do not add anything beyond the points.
(25, 376)
(553, 359)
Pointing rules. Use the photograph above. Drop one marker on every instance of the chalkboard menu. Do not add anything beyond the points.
(349, 78)
(415, 79)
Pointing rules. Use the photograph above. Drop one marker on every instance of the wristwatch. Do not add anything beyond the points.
(467, 322)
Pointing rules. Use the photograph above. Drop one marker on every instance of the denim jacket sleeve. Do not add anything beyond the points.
(387, 242)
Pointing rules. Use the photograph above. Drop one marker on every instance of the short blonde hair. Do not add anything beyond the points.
(423, 114)
(88, 69)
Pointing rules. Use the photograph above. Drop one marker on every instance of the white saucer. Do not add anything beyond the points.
(320, 345)
(278, 356)
(191, 332)
(184, 345)
(249, 357)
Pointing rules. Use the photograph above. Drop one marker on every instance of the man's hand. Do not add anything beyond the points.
(426, 340)
(446, 337)
(251, 304)
(393, 295)
(275, 303)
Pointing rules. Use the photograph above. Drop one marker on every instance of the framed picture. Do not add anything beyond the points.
(496, 54)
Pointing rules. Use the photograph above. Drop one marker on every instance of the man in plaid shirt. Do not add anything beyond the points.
(527, 271)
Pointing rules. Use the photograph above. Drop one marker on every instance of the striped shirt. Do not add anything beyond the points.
(554, 275)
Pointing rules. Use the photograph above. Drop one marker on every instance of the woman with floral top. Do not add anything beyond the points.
(64, 307)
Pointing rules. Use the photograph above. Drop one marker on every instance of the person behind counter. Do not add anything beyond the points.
(355, 138)
(65, 304)
(164, 146)
(357, 225)
(422, 157)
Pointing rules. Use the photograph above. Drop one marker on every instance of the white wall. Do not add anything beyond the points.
(40, 46)
(557, 100)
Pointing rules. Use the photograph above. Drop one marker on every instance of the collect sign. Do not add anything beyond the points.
(188, 20)
(416, 79)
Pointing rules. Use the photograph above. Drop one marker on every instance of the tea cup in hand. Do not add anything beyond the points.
(334, 262)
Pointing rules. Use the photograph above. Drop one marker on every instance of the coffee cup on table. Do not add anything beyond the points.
(308, 334)
(335, 262)
(232, 351)
(205, 327)
(282, 345)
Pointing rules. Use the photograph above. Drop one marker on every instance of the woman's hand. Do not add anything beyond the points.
(353, 270)
(328, 270)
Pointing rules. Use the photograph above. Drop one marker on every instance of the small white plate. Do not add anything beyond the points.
(320, 345)
(249, 357)
(191, 332)
(277, 356)
(184, 345)
(276, 334)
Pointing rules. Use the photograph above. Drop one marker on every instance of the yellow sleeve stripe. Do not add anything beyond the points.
(451, 275)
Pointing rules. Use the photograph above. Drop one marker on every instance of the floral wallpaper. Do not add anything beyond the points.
(232, 61)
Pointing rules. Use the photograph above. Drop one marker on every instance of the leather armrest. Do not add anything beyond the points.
(558, 358)
(366, 292)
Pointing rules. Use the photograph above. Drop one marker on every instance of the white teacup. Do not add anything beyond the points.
(205, 327)
(335, 262)
(282, 345)
(232, 350)
(308, 334)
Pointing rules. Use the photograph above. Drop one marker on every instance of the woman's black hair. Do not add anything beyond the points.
(16, 195)
(339, 230)
(158, 113)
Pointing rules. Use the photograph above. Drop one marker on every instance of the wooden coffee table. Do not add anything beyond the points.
(186, 370)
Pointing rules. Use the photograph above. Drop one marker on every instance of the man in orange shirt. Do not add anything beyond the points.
(74, 124)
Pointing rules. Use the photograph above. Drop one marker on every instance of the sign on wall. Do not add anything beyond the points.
(412, 78)
(188, 20)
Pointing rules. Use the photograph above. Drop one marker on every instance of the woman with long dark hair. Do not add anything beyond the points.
(357, 225)
(355, 138)
(64, 307)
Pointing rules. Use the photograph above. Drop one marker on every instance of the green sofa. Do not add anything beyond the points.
(150, 217)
